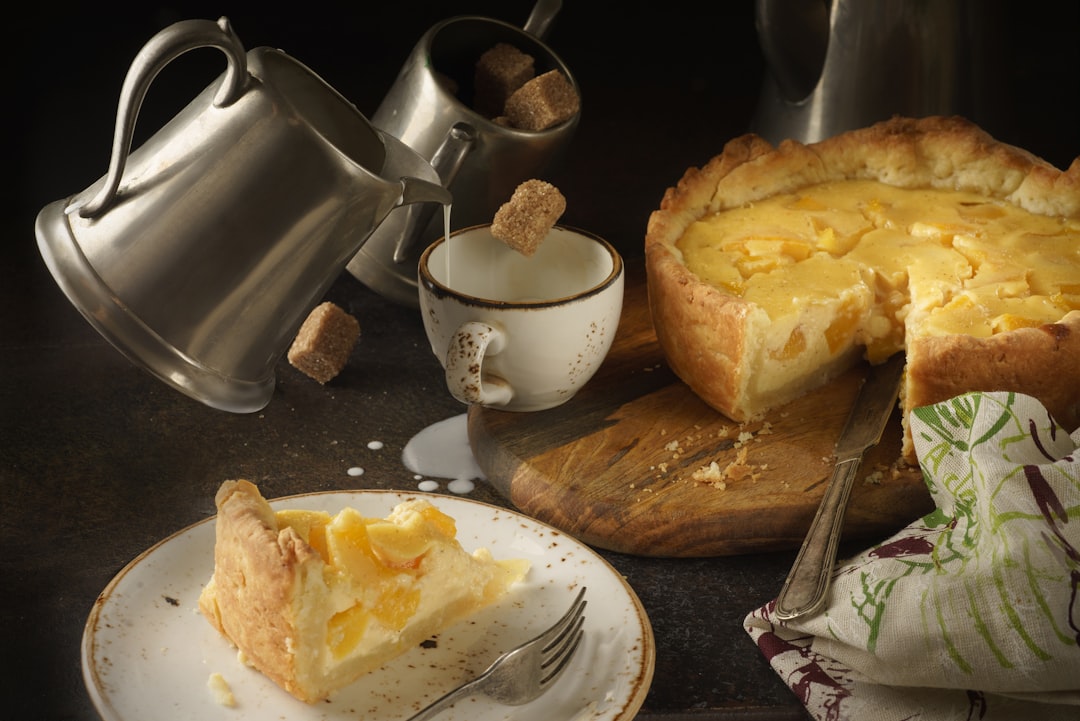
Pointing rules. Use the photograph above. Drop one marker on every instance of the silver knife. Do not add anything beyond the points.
(807, 584)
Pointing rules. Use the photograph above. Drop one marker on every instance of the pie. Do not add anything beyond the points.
(772, 270)
(315, 601)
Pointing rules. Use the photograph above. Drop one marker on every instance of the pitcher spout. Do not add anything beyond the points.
(416, 190)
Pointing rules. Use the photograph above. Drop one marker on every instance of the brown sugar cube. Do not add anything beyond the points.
(323, 343)
(542, 102)
(524, 221)
(499, 72)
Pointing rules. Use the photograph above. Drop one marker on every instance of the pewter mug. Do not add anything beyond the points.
(200, 253)
(844, 64)
(478, 160)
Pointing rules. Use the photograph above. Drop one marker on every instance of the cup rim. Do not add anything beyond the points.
(428, 282)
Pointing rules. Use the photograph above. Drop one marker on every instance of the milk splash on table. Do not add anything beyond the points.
(442, 451)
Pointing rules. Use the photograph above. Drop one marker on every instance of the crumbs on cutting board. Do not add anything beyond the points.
(723, 457)
(882, 472)
(715, 473)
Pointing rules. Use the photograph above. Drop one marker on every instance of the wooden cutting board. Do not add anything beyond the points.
(614, 466)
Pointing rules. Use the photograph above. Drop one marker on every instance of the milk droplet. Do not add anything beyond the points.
(375, 445)
(442, 451)
(428, 486)
(355, 471)
(460, 486)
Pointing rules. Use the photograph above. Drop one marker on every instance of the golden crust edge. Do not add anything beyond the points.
(1042, 362)
(258, 618)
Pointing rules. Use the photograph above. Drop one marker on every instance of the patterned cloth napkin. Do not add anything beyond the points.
(971, 612)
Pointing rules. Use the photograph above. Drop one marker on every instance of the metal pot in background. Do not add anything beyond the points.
(479, 160)
(836, 65)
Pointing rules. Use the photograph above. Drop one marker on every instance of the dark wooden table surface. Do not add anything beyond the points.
(99, 461)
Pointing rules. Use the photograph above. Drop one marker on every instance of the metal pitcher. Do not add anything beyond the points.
(199, 254)
(843, 64)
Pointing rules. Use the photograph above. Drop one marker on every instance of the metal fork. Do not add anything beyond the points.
(524, 673)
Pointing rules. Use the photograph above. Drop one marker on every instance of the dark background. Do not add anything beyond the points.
(98, 461)
(664, 84)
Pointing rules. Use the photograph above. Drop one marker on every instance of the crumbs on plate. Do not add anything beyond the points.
(223, 694)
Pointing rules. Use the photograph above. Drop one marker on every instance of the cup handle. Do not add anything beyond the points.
(159, 51)
(465, 365)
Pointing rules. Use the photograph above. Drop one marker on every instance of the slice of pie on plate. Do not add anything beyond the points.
(314, 601)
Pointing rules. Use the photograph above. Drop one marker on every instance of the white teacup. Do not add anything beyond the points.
(514, 332)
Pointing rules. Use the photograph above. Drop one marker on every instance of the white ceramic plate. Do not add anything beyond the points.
(148, 653)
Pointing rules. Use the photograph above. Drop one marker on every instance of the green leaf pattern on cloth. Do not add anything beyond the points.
(975, 606)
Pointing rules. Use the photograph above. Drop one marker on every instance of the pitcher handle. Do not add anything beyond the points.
(542, 16)
(169, 44)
